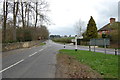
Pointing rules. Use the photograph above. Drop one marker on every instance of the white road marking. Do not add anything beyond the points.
(35, 53)
(41, 49)
(32, 54)
(11, 66)
(19, 62)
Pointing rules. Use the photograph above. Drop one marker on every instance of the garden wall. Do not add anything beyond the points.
(17, 45)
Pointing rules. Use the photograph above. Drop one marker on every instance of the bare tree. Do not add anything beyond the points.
(39, 10)
(5, 14)
(22, 10)
(36, 14)
(43, 18)
(28, 11)
(15, 12)
(22, 13)
(79, 27)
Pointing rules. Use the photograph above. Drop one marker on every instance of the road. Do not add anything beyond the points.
(108, 50)
(35, 62)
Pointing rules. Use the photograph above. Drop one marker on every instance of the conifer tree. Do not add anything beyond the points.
(91, 31)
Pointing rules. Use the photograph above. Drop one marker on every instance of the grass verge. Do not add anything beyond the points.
(105, 64)
(41, 44)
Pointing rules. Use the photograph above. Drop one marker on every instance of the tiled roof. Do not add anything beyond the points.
(104, 28)
(108, 27)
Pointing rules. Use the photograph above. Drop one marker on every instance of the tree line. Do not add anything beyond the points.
(24, 20)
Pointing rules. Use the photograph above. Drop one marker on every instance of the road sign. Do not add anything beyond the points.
(99, 42)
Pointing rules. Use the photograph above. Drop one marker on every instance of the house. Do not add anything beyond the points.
(107, 29)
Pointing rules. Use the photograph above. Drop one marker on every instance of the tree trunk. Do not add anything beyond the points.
(5, 12)
(22, 15)
(36, 14)
(26, 8)
(28, 16)
(15, 11)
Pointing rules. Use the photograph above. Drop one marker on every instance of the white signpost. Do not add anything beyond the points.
(76, 43)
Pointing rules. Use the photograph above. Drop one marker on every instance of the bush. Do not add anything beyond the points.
(63, 40)
(26, 34)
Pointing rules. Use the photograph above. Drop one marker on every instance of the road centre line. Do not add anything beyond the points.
(41, 49)
(35, 53)
(19, 62)
(11, 66)
(32, 54)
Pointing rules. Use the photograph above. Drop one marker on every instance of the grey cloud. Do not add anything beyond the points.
(64, 31)
(119, 11)
(105, 12)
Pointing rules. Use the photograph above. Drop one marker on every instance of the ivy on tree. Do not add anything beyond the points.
(91, 31)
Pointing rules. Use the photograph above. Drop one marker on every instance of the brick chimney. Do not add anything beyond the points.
(112, 20)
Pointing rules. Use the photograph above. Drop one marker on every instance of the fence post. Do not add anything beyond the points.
(115, 51)
(89, 48)
(105, 45)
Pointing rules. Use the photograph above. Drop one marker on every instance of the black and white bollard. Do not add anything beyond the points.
(64, 45)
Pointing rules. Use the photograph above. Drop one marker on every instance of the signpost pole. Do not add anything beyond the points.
(105, 46)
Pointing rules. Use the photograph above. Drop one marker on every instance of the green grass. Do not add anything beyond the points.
(106, 65)
(42, 44)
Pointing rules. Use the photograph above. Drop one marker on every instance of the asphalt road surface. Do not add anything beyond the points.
(35, 62)
(97, 49)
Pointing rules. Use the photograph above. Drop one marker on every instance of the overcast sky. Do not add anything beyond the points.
(65, 13)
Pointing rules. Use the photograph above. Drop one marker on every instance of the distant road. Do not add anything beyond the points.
(35, 62)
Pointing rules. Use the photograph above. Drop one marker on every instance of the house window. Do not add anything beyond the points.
(103, 32)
